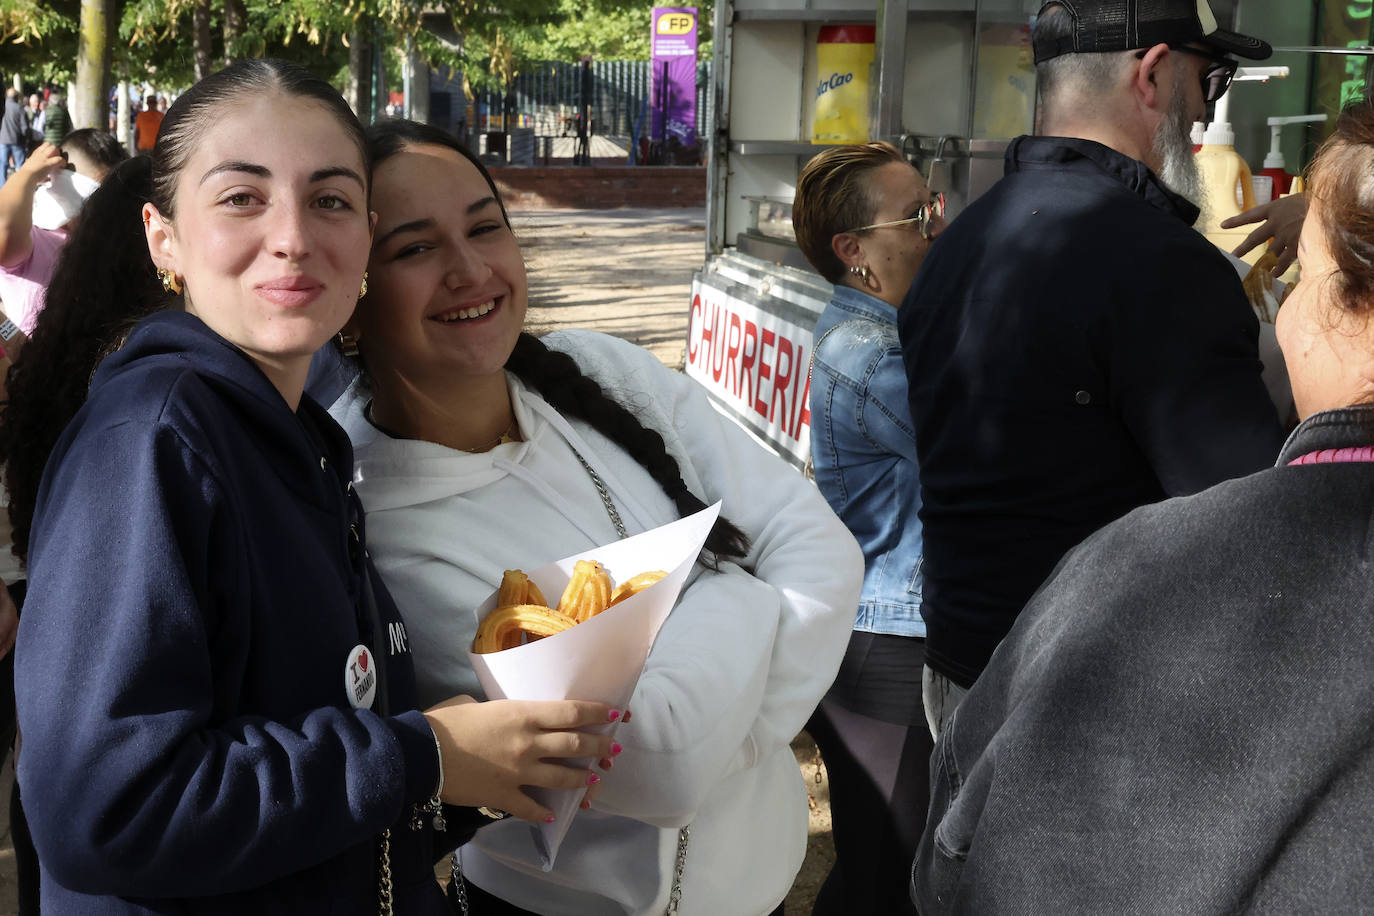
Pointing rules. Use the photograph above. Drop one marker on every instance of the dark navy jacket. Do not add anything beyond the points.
(1073, 350)
(1180, 721)
(195, 589)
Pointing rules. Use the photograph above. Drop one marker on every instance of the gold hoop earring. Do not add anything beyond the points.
(169, 281)
(348, 344)
(864, 275)
(363, 292)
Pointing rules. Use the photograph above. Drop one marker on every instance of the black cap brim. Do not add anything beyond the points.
(1237, 44)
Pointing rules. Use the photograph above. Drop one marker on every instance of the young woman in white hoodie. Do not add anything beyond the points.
(481, 448)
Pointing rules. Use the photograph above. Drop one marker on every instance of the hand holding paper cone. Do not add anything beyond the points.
(493, 749)
(601, 657)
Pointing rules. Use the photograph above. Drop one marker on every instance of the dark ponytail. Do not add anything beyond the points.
(558, 378)
(104, 282)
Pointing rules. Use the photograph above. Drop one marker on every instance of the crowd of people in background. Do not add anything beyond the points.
(43, 117)
(1076, 615)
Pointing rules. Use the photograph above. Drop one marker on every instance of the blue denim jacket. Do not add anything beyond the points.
(864, 452)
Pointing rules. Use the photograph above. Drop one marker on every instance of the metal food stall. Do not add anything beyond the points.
(951, 82)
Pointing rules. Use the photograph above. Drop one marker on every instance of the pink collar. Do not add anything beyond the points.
(1336, 455)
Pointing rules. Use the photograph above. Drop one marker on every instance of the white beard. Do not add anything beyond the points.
(1174, 147)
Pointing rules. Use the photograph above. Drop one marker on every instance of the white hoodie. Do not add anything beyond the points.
(736, 671)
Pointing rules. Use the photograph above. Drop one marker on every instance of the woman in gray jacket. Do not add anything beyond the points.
(1180, 721)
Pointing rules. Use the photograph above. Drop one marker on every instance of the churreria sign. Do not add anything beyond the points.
(755, 365)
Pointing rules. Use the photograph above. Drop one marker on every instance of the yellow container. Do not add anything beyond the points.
(1222, 169)
(844, 57)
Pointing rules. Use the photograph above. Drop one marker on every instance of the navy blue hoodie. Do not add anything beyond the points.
(195, 588)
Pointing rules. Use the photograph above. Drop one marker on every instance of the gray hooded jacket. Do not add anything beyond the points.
(1180, 721)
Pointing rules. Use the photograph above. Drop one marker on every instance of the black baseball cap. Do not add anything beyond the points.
(1125, 25)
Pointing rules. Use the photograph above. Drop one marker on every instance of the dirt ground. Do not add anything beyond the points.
(622, 272)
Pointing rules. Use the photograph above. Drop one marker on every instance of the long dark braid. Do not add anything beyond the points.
(561, 382)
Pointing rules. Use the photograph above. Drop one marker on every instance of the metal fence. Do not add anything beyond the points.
(549, 97)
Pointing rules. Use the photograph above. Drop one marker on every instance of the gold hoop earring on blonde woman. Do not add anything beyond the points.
(363, 291)
(169, 281)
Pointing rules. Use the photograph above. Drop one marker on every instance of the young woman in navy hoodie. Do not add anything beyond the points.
(216, 693)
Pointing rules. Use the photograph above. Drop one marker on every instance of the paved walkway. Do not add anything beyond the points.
(622, 272)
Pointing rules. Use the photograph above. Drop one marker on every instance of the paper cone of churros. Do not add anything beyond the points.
(599, 658)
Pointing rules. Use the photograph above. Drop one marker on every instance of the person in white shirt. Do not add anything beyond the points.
(481, 448)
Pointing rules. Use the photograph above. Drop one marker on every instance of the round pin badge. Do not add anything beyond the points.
(360, 677)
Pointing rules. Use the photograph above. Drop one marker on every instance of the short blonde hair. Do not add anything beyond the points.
(833, 197)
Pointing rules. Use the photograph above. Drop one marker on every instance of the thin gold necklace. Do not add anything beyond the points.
(507, 434)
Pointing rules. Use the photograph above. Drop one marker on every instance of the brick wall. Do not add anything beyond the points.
(601, 187)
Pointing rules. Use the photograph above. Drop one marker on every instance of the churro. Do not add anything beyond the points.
(634, 586)
(521, 611)
(503, 627)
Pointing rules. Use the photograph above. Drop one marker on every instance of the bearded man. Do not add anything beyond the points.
(1073, 348)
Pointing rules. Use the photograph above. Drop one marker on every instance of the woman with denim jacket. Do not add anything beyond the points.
(864, 218)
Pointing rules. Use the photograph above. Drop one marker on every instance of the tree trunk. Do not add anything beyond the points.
(87, 104)
(381, 90)
(419, 89)
(200, 38)
(234, 17)
(123, 134)
(360, 75)
(109, 79)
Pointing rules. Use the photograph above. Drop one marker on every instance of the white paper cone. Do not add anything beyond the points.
(600, 659)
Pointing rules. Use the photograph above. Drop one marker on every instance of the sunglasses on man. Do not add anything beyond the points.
(924, 214)
(1216, 79)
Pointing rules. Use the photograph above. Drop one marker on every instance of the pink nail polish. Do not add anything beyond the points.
(593, 779)
(616, 748)
(613, 715)
(549, 819)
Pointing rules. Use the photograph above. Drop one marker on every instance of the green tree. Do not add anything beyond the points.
(40, 38)
(605, 29)
(173, 42)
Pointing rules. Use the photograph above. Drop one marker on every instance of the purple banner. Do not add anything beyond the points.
(673, 87)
